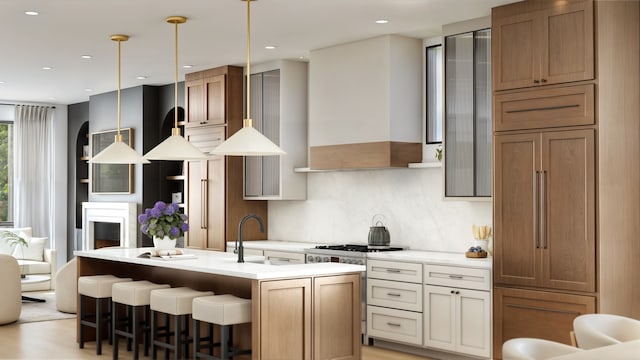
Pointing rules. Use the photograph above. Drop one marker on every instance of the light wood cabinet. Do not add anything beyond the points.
(284, 257)
(537, 314)
(206, 95)
(541, 43)
(458, 320)
(544, 213)
(214, 201)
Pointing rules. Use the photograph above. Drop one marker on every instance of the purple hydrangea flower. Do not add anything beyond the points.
(143, 218)
(184, 227)
(155, 212)
(174, 231)
(163, 219)
(144, 229)
(160, 205)
(169, 210)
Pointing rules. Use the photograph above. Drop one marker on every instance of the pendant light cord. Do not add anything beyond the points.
(175, 87)
(248, 119)
(118, 136)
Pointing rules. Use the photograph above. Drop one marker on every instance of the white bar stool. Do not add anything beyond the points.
(135, 295)
(176, 302)
(226, 311)
(99, 288)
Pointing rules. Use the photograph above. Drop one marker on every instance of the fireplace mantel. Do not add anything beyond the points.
(123, 213)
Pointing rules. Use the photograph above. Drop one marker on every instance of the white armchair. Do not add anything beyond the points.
(596, 330)
(35, 259)
(10, 297)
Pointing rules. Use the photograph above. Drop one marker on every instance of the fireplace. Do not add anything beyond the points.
(122, 214)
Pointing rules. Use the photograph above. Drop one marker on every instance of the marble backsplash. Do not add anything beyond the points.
(341, 204)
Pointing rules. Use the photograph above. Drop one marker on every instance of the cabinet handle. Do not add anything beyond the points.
(457, 292)
(393, 294)
(543, 208)
(393, 324)
(536, 81)
(453, 292)
(544, 80)
(544, 108)
(457, 277)
(396, 271)
(535, 210)
(202, 204)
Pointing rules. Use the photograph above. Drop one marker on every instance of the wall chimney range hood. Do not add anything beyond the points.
(365, 104)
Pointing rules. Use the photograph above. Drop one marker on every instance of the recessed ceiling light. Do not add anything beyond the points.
(269, 47)
(47, 68)
(187, 66)
(300, 57)
(382, 21)
(32, 13)
(86, 56)
(87, 89)
(141, 77)
(1, 82)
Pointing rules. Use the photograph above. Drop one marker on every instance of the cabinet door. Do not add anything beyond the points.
(515, 54)
(537, 314)
(567, 54)
(215, 200)
(440, 317)
(473, 322)
(336, 300)
(516, 240)
(567, 210)
(285, 320)
(195, 102)
(215, 100)
(194, 238)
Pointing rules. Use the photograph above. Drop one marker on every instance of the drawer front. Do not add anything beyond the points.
(397, 325)
(246, 251)
(393, 294)
(392, 270)
(206, 138)
(459, 277)
(283, 256)
(544, 108)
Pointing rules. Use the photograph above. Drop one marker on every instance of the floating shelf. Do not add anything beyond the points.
(175, 177)
(425, 165)
(84, 181)
(85, 158)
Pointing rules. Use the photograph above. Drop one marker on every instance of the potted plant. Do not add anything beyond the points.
(164, 224)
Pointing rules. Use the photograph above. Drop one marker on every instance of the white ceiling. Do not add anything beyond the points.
(214, 35)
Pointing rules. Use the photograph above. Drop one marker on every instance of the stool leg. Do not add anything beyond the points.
(98, 326)
(186, 335)
(178, 336)
(114, 322)
(167, 336)
(129, 326)
(154, 318)
(196, 338)
(146, 329)
(108, 317)
(81, 315)
(224, 342)
(134, 331)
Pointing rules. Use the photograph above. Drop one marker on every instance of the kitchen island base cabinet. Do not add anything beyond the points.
(537, 314)
(298, 318)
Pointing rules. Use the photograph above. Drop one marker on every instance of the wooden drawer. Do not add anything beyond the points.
(393, 294)
(205, 138)
(544, 108)
(393, 270)
(284, 256)
(458, 277)
(397, 325)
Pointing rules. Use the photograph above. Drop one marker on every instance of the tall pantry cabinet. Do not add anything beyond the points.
(567, 180)
(215, 203)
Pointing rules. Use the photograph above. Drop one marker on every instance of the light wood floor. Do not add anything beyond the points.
(56, 340)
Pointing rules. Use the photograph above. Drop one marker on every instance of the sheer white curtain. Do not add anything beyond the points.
(32, 165)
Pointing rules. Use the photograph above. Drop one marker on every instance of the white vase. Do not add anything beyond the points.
(164, 243)
(483, 243)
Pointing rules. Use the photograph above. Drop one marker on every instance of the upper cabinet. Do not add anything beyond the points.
(279, 111)
(551, 43)
(365, 104)
(206, 93)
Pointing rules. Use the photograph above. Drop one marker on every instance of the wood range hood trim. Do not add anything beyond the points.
(370, 155)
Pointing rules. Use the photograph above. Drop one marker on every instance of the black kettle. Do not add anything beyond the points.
(379, 237)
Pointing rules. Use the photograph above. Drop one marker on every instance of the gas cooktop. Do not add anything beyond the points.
(358, 248)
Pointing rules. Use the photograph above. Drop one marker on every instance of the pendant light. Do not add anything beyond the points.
(248, 141)
(175, 147)
(118, 152)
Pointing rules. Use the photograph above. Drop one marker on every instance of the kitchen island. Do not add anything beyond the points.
(302, 311)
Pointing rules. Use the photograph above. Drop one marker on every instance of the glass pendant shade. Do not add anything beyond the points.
(248, 141)
(118, 152)
(175, 147)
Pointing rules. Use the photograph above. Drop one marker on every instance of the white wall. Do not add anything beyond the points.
(340, 205)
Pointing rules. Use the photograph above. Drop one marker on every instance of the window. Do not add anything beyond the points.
(6, 173)
(434, 94)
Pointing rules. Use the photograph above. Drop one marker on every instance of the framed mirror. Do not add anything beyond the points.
(111, 178)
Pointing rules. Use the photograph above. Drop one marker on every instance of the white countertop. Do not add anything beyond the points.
(432, 257)
(222, 263)
(623, 351)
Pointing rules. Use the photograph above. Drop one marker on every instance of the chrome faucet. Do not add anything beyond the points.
(239, 247)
